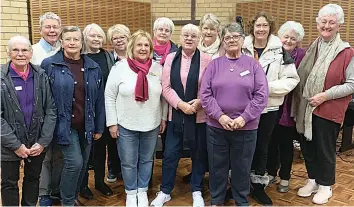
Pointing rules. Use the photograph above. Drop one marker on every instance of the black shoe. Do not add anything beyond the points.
(260, 195)
(187, 178)
(90, 167)
(85, 192)
(104, 189)
(111, 178)
(228, 195)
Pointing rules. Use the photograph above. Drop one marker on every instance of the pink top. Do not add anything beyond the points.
(170, 94)
(23, 75)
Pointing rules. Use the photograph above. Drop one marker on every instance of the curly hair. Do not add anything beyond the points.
(269, 19)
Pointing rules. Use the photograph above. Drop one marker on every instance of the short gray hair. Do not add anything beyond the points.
(48, 15)
(330, 10)
(118, 28)
(292, 25)
(232, 27)
(210, 19)
(18, 39)
(96, 27)
(191, 27)
(162, 21)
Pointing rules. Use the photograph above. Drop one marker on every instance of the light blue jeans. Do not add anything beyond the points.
(136, 151)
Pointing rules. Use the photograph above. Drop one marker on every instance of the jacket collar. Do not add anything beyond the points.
(5, 69)
(48, 47)
(273, 43)
(58, 59)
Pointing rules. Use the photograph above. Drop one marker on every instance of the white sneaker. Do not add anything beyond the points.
(310, 187)
(160, 199)
(322, 195)
(198, 200)
(143, 200)
(131, 200)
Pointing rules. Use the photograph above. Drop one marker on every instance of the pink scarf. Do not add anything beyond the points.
(162, 50)
(23, 75)
(141, 87)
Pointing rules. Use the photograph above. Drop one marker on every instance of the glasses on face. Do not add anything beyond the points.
(71, 39)
(48, 27)
(330, 23)
(232, 37)
(192, 36)
(16, 51)
(163, 30)
(121, 38)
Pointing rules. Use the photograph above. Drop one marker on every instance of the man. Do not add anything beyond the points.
(28, 117)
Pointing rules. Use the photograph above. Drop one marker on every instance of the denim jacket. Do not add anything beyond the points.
(62, 85)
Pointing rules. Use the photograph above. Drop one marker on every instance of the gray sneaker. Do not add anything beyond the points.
(283, 188)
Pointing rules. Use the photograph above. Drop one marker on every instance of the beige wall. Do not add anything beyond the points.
(14, 21)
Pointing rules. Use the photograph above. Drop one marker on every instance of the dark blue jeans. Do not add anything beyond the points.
(225, 148)
(172, 155)
(76, 156)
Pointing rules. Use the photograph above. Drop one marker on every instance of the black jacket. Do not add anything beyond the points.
(14, 132)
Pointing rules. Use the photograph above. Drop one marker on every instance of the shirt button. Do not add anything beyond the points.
(73, 115)
(75, 82)
(87, 83)
(62, 71)
(73, 99)
(88, 99)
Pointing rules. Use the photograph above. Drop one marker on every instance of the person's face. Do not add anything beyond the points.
(50, 31)
(233, 42)
(20, 54)
(209, 34)
(261, 29)
(189, 40)
(119, 41)
(289, 40)
(141, 49)
(72, 42)
(328, 27)
(163, 34)
(94, 40)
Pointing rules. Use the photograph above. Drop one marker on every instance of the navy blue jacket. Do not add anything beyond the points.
(62, 85)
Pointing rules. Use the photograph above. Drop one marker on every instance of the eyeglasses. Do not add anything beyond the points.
(69, 39)
(163, 30)
(234, 37)
(192, 36)
(17, 51)
(330, 23)
(121, 38)
(48, 27)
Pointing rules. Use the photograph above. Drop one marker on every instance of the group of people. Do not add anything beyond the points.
(236, 101)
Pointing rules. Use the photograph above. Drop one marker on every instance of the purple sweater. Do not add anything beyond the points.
(241, 92)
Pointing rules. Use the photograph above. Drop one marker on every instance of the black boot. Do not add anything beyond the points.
(85, 192)
(260, 195)
(228, 195)
(103, 188)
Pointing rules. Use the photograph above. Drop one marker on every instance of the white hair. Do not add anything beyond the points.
(294, 26)
(330, 10)
(162, 21)
(18, 39)
(96, 27)
(191, 27)
(48, 15)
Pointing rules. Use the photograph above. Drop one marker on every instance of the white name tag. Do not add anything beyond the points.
(18, 88)
(244, 73)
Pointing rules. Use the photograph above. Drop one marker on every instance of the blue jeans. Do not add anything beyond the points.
(225, 148)
(172, 155)
(136, 151)
(76, 156)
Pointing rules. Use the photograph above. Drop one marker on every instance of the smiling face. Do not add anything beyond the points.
(189, 40)
(233, 42)
(94, 40)
(20, 54)
(50, 31)
(162, 34)
(141, 49)
(261, 29)
(328, 27)
(209, 34)
(289, 40)
(72, 43)
(119, 41)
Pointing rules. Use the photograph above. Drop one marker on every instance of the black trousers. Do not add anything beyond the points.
(264, 134)
(113, 158)
(320, 153)
(281, 151)
(10, 174)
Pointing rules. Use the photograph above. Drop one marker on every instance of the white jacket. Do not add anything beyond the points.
(279, 67)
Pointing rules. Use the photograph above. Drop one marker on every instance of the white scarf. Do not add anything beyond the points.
(212, 49)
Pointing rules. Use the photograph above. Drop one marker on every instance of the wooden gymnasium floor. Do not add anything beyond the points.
(343, 190)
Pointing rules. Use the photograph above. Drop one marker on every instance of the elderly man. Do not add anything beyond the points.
(28, 117)
(48, 45)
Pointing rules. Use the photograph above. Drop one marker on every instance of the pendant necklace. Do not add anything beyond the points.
(232, 68)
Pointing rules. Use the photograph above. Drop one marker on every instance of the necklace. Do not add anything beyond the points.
(232, 67)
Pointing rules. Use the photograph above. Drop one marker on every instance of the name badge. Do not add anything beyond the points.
(246, 72)
(18, 88)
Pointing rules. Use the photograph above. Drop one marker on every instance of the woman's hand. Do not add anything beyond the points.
(113, 130)
(162, 126)
(239, 122)
(318, 99)
(196, 104)
(186, 108)
(97, 136)
(226, 122)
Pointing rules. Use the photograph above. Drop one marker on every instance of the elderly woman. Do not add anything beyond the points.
(163, 29)
(186, 117)
(78, 92)
(233, 93)
(282, 78)
(28, 117)
(321, 99)
(280, 149)
(136, 113)
(210, 40)
(118, 35)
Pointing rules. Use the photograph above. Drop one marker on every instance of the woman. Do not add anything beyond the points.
(320, 101)
(282, 78)
(280, 149)
(78, 92)
(94, 39)
(136, 113)
(233, 93)
(183, 96)
(210, 40)
(118, 35)
(163, 29)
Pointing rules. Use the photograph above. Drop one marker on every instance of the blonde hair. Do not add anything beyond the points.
(210, 19)
(96, 27)
(118, 28)
(136, 36)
